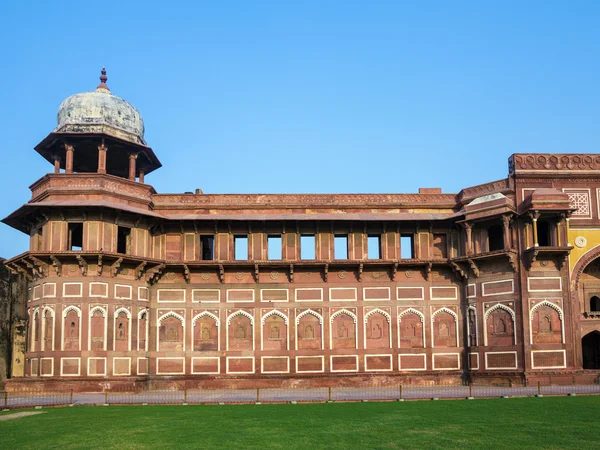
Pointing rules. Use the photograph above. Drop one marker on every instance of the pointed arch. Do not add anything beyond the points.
(420, 315)
(102, 311)
(552, 305)
(319, 317)
(433, 316)
(44, 327)
(159, 320)
(240, 312)
(205, 314)
(115, 318)
(65, 312)
(343, 311)
(263, 319)
(490, 311)
(474, 309)
(311, 312)
(389, 321)
(274, 312)
(141, 312)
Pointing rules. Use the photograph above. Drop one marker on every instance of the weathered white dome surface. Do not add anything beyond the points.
(100, 111)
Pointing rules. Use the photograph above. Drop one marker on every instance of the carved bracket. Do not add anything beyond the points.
(326, 272)
(100, 264)
(186, 273)
(458, 269)
(428, 268)
(114, 269)
(155, 273)
(512, 260)
(221, 273)
(256, 273)
(360, 271)
(291, 273)
(39, 263)
(57, 265)
(394, 270)
(83, 265)
(474, 267)
(139, 270)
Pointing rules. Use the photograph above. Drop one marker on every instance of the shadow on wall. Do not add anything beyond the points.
(13, 321)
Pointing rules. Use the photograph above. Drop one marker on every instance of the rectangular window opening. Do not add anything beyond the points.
(340, 246)
(274, 247)
(207, 248)
(308, 248)
(374, 247)
(240, 248)
(123, 240)
(75, 236)
(407, 246)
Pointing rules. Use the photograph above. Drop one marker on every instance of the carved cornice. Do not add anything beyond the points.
(553, 162)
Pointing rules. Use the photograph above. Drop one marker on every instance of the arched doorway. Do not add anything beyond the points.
(590, 346)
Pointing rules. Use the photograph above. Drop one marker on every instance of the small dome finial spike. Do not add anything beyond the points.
(103, 79)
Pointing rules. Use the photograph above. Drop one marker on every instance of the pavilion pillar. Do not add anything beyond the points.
(57, 165)
(567, 229)
(534, 219)
(142, 176)
(468, 230)
(132, 159)
(69, 158)
(102, 157)
(506, 224)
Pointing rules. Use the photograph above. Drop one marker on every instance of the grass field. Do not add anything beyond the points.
(556, 422)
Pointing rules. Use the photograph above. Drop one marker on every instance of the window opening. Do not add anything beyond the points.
(374, 247)
(407, 246)
(207, 248)
(340, 246)
(274, 247)
(75, 235)
(307, 247)
(495, 238)
(123, 240)
(240, 248)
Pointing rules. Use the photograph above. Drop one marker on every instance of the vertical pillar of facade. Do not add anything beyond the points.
(558, 229)
(534, 218)
(57, 165)
(468, 230)
(102, 158)
(69, 158)
(141, 176)
(506, 224)
(567, 219)
(132, 159)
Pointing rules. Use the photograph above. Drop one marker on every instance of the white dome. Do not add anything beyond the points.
(100, 111)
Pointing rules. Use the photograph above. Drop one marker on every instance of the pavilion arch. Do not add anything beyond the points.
(339, 313)
(240, 312)
(418, 314)
(168, 315)
(453, 314)
(560, 316)
(102, 311)
(319, 318)
(263, 319)
(475, 325)
(490, 311)
(387, 317)
(65, 312)
(129, 326)
(43, 326)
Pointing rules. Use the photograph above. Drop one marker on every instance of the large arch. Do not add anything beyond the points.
(585, 260)
(590, 345)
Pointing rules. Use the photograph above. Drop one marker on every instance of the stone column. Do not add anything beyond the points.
(468, 229)
(102, 157)
(69, 159)
(534, 218)
(57, 165)
(132, 159)
(567, 219)
(506, 223)
(142, 176)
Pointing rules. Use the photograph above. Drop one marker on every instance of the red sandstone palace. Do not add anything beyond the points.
(499, 280)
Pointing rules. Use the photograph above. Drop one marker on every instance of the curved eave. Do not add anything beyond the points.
(46, 147)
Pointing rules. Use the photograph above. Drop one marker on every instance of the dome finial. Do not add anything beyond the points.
(103, 79)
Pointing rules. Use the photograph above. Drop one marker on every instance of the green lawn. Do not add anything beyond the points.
(557, 422)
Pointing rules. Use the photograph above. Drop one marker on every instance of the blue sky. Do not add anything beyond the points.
(311, 96)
